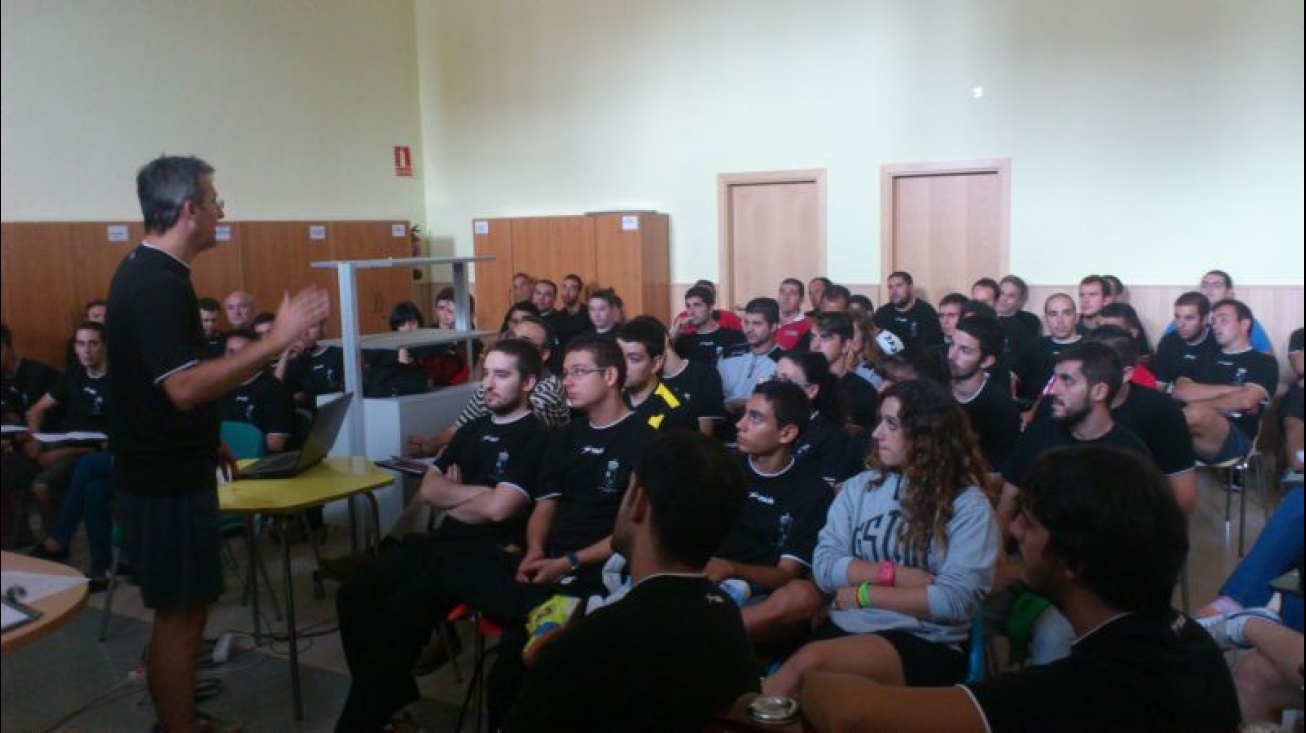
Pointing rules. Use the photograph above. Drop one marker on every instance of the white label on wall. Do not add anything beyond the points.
(629, 223)
(398, 230)
(116, 232)
(222, 233)
(317, 232)
(481, 227)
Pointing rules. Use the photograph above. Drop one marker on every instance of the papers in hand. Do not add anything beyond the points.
(13, 429)
(411, 466)
(77, 436)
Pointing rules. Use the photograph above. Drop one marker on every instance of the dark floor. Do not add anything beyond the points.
(69, 681)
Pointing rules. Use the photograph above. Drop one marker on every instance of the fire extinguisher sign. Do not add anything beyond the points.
(403, 161)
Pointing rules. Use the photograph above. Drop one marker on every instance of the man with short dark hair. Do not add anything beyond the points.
(1217, 285)
(744, 366)
(1154, 417)
(1033, 366)
(260, 400)
(163, 419)
(1224, 397)
(1102, 539)
(911, 319)
(573, 318)
(835, 299)
(214, 341)
(23, 381)
(986, 291)
(605, 311)
(697, 335)
(318, 369)
(523, 287)
(683, 654)
(832, 336)
(484, 483)
(1013, 293)
(1093, 291)
(698, 384)
(816, 288)
(794, 324)
(994, 417)
(770, 548)
(1188, 342)
(642, 341)
(950, 307)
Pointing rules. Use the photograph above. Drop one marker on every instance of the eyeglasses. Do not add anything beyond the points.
(788, 380)
(578, 372)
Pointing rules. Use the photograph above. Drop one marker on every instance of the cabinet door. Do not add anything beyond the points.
(379, 290)
(277, 257)
(39, 303)
(493, 286)
(633, 257)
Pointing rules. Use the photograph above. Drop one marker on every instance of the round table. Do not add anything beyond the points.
(56, 610)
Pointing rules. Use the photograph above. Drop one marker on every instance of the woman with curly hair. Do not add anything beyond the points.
(907, 550)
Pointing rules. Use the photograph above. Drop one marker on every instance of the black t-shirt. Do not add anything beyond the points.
(916, 326)
(995, 419)
(1032, 323)
(822, 446)
(1158, 420)
(1292, 403)
(587, 470)
(319, 372)
(1151, 672)
(1177, 358)
(860, 400)
(1245, 367)
(667, 657)
(700, 386)
(1044, 434)
(706, 348)
(490, 453)
(782, 516)
(1015, 335)
(1033, 366)
(84, 400)
(154, 318)
(214, 347)
(262, 402)
(20, 390)
(566, 326)
(664, 410)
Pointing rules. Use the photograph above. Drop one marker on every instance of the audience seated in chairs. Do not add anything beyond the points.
(908, 551)
(1101, 536)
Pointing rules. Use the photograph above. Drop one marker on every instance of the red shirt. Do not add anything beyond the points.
(789, 335)
(724, 318)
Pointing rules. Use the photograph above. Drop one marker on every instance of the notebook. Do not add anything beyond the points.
(321, 436)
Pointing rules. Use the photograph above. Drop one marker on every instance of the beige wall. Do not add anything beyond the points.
(298, 103)
(1149, 138)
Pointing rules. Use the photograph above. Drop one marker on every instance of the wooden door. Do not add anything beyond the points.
(772, 226)
(947, 223)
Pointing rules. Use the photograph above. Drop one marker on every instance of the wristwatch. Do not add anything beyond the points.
(573, 560)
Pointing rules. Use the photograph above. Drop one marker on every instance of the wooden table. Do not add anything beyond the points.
(338, 477)
(56, 610)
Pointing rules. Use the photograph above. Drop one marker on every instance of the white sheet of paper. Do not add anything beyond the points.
(75, 435)
(13, 429)
(37, 585)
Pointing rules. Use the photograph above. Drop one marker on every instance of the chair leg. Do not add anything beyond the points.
(107, 612)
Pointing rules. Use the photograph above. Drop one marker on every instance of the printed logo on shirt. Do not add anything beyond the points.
(489, 438)
(610, 477)
(783, 528)
(763, 498)
(591, 450)
(500, 465)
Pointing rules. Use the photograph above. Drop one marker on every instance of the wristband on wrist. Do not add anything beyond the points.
(573, 561)
(864, 595)
(888, 574)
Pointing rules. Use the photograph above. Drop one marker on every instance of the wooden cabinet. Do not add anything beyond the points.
(627, 251)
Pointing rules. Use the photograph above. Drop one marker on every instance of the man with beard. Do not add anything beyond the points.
(573, 318)
(910, 318)
(994, 417)
(744, 366)
(485, 483)
(679, 637)
(1189, 342)
(1093, 291)
(698, 336)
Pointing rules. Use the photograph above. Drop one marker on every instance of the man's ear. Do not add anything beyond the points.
(788, 434)
(1097, 392)
(639, 504)
(988, 361)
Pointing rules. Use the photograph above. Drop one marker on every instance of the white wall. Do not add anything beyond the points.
(297, 103)
(1149, 138)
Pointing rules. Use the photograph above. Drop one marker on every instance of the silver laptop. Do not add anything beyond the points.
(321, 436)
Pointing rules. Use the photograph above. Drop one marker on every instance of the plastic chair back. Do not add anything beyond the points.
(244, 440)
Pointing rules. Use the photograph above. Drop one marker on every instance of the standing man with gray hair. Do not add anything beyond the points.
(163, 419)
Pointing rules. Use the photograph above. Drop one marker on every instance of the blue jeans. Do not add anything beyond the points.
(1277, 550)
(89, 498)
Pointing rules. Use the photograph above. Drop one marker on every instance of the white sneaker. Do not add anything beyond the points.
(1227, 628)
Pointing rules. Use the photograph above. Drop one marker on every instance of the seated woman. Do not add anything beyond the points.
(908, 550)
(823, 440)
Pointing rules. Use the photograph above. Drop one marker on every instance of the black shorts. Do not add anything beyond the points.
(173, 546)
(924, 663)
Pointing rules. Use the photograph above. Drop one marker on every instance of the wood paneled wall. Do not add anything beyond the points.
(629, 252)
(48, 271)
